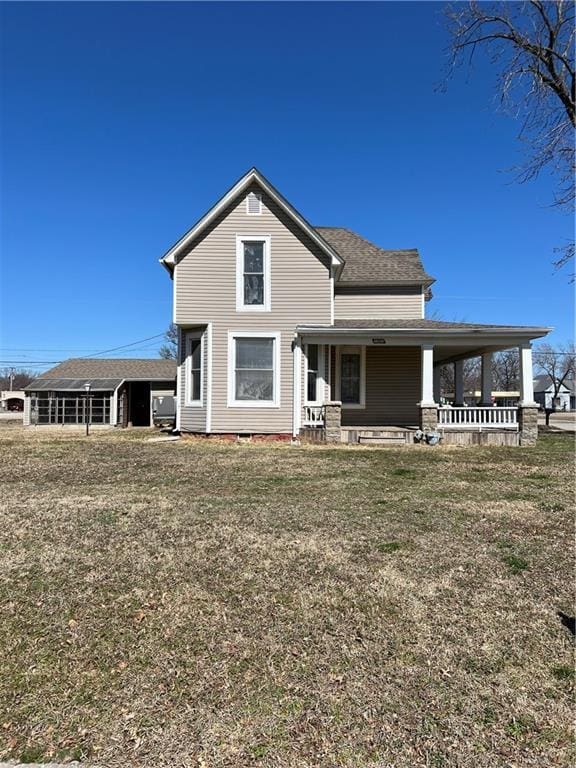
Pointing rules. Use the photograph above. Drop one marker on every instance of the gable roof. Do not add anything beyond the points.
(253, 175)
(113, 369)
(368, 264)
(544, 382)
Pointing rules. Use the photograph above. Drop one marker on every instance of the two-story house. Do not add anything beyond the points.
(288, 329)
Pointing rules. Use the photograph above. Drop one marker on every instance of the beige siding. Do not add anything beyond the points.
(404, 302)
(205, 291)
(392, 389)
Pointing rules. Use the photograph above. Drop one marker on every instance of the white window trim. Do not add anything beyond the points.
(320, 381)
(240, 306)
(259, 211)
(232, 402)
(355, 348)
(190, 336)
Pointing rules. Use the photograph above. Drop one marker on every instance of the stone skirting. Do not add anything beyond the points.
(333, 421)
(528, 424)
(428, 418)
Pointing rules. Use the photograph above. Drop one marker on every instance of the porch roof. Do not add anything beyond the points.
(438, 327)
(451, 341)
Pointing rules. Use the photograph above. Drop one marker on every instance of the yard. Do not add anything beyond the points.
(207, 604)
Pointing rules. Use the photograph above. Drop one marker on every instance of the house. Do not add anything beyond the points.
(544, 393)
(101, 392)
(290, 330)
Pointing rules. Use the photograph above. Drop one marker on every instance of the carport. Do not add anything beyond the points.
(79, 395)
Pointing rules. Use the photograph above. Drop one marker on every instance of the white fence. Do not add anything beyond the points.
(491, 417)
(313, 416)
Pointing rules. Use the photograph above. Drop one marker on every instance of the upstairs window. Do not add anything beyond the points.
(254, 204)
(253, 273)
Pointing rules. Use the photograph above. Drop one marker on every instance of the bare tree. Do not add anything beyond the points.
(15, 378)
(472, 368)
(560, 364)
(169, 350)
(506, 370)
(532, 46)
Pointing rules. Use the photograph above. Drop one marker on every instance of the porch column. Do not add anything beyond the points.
(486, 398)
(427, 397)
(296, 387)
(436, 383)
(459, 382)
(528, 409)
(428, 407)
(526, 375)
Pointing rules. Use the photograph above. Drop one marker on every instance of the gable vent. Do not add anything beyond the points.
(253, 204)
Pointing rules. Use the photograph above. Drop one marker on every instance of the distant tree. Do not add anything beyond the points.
(531, 44)
(169, 350)
(20, 378)
(472, 369)
(560, 364)
(506, 370)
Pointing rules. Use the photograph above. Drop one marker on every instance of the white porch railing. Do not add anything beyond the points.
(313, 416)
(478, 417)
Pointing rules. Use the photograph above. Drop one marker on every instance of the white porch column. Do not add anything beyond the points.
(459, 382)
(437, 378)
(526, 375)
(427, 375)
(296, 386)
(486, 398)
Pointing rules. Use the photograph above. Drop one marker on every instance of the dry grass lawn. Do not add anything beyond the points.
(209, 604)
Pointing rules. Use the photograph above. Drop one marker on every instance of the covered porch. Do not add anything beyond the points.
(379, 382)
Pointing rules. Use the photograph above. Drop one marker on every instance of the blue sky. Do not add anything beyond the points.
(124, 122)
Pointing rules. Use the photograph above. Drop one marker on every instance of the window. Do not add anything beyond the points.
(194, 353)
(253, 273)
(254, 369)
(314, 375)
(253, 204)
(352, 375)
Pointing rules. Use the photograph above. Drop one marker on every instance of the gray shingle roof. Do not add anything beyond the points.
(117, 368)
(542, 382)
(367, 263)
(421, 324)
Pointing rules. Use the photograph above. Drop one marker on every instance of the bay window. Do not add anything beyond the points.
(194, 367)
(254, 369)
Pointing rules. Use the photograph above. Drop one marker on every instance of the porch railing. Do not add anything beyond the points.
(478, 417)
(313, 416)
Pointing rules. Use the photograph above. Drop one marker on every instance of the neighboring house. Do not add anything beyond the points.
(107, 392)
(289, 329)
(544, 393)
(12, 400)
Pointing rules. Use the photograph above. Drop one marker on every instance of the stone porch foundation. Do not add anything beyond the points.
(528, 424)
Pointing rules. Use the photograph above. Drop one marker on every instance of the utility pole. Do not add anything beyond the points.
(11, 378)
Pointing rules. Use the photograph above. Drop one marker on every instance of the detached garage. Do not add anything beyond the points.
(119, 393)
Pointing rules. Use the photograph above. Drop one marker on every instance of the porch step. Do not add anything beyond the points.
(378, 436)
(370, 440)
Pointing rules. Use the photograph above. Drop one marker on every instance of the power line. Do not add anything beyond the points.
(94, 354)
